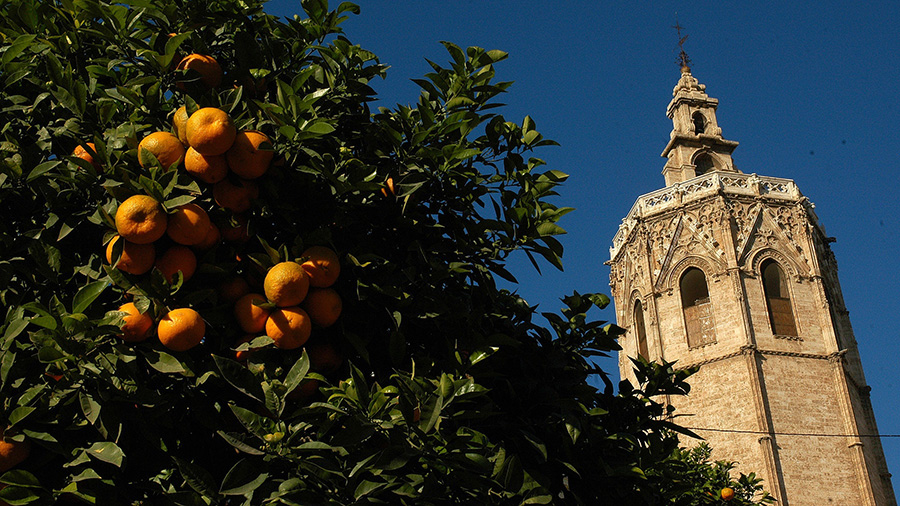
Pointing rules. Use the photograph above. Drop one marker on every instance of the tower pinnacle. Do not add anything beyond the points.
(696, 145)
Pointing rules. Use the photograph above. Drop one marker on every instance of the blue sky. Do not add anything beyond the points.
(809, 89)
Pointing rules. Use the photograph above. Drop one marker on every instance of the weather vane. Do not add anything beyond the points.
(683, 60)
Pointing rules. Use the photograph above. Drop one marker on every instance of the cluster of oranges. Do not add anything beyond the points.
(206, 144)
(209, 147)
(140, 222)
(297, 296)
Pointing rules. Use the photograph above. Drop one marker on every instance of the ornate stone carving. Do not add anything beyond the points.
(709, 267)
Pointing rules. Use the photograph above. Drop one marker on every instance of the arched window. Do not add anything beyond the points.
(699, 123)
(703, 163)
(640, 332)
(698, 316)
(778, 300)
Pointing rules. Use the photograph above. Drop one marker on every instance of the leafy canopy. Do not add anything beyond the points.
(449, 391)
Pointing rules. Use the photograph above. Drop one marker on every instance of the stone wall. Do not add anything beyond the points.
(760, 386)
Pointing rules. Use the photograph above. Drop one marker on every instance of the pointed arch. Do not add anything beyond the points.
(705, 162)
(696, 306)
(791, 267)
(669, 279)
(639, 329)
(778, 299)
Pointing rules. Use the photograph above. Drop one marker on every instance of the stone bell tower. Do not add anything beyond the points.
(733, 272)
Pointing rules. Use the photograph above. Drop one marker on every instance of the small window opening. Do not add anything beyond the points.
(695, 303)
(778, 300)
(640, 332)
(703, 164)
(699, 123)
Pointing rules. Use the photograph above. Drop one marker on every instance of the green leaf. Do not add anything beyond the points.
(174, 42)
(530, 137)
(318, 127)
(240, 445)
(19, 45)
(243, 478)
(297, 373)
(163, 362)
(41, 170)
(20, 478)
(315, 9)
(348, 7)
(548, 228)
(107, 451)
(367, 487)
(180, 200)
(14, 328)
(87, 294)
(6, 363)
(250, 420)
(198, 478)
(14, 495)
(20, 413)
(239, 377)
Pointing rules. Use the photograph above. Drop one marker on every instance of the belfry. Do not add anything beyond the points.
(733, 272)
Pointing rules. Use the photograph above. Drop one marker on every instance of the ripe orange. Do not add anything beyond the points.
(179, 124)
(323, 306)
(250, 155)
(86, 155)
(323, 357)
(286, 284)
(233, 289)
(236, 231)
(233, 197)
(165, 146)
(209, 69)
(210, 169)
(306, 389)
(137, 325)
(177, 258)
(181, 329)
(727, 494)
(210, 131)
(289, 327)
(140, 219)
(12, 453)
(136, 258)
(251, 318)
(213, 236)
(188, 224)
(322, 266)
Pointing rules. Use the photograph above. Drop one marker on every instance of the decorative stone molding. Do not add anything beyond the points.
(788, 338)
(752, 349)
(777, 190)
(710, 270)
(761, 255)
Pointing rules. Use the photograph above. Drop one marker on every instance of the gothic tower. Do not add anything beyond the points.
(733, 272)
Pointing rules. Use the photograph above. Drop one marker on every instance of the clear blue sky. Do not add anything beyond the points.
(809, 89)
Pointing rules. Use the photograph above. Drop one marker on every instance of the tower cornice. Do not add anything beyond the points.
(675, 196)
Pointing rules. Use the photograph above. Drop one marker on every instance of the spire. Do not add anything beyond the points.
(696, 145)
(683, 60)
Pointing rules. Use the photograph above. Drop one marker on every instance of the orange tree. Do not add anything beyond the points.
(157, 368)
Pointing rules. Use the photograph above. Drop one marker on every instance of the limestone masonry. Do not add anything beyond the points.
(733, 272)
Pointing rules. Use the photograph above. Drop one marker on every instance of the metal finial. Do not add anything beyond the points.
(683, 60)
